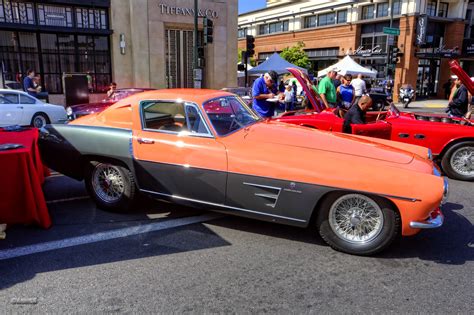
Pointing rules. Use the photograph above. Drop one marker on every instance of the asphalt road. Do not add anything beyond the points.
(164, 258)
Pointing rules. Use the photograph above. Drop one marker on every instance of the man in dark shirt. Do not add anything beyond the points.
(28, 83)
(458, 106)
(356, 114)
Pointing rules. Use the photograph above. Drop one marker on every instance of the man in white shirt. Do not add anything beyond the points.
(359, 87)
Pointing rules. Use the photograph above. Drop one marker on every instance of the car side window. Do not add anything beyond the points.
(163, 116)
(26, 100)
(8, 98)
(195, 122)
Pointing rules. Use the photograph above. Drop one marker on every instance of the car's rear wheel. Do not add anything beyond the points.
(358, 224)
(39, 120)
(458, 161)
(111, 186)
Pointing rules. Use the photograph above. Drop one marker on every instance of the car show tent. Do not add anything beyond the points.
(275, 63)
(348, 66)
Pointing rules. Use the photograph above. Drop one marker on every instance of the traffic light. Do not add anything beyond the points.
(394, 54)
(208, 30)
(250, 44)
(201, 62)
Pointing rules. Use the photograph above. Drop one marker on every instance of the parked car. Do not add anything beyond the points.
(451, 140)
(80, 110)
(207, 148)
(19, 108)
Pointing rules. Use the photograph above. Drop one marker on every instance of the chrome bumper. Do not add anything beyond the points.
(435, 220)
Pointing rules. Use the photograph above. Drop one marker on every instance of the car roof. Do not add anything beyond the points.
(190, 95)
(14, 91)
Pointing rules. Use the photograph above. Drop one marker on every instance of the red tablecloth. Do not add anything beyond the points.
(21, 175)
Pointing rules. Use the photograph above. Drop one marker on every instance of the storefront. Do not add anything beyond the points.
(53, 39)
(152, 43)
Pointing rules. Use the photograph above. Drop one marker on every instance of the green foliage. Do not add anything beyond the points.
(296, 55)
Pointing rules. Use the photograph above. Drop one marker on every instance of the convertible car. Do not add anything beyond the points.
(451, 140)
(208, 148)
(80, 110)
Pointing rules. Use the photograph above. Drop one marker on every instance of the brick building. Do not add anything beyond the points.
(430, 32)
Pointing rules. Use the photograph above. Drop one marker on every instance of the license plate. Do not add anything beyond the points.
(406, 99)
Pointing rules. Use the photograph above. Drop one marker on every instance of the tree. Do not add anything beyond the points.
(296, 55)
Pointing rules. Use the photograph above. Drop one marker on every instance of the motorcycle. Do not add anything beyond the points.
(407, 93)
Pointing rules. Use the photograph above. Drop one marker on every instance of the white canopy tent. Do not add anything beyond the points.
(348, 66)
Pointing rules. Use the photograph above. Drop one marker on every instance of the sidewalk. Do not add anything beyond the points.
(430, 103)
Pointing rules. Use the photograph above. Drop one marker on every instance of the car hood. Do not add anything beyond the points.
(276, 133)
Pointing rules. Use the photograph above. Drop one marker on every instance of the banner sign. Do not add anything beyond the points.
(468, 47)
(421, 27)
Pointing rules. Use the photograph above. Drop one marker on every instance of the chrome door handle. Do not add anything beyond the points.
(145, 141)
(20, 107)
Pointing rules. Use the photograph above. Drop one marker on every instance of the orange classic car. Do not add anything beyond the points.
(208, 148)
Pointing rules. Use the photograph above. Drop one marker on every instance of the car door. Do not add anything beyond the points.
(11, 112)
(177, 155)
(380, 129)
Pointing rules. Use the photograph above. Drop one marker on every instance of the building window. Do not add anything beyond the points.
(310, 21)
(326, 19)
(368, 12)
(51, 15)
(431, 8)
(18, 12)
(91, 18)
(342, 16)
(323, 52)
(275, 27)
(382, 9)
(443, 9)
(397, 7)
(242, 32)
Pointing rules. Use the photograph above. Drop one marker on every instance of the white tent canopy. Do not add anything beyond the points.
(348, 66)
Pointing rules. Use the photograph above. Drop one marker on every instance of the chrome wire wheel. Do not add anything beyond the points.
(39, 121)
(108, 183)
(462, 161)
(356, 218)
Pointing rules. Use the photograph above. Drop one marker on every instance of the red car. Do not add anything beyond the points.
(76, 111)
(451, 140)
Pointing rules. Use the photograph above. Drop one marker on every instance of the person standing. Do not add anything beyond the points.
(326, 89)
(359, 87)
(29, 84)
(457, 107)
(337, 81)
(345, 92)
(281, 86)
(288, 98)
(264, 88)
(112, 90)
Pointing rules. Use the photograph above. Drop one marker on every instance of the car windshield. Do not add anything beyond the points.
(228, 114)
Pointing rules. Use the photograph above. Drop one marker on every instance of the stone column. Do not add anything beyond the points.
(453, 36)
(407, 69)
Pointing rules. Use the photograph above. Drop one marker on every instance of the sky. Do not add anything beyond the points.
(250, 5)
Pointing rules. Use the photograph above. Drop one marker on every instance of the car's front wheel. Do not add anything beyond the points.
(357, 224)
(458, 161)
(111, 186)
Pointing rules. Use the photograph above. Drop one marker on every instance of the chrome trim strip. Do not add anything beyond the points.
(392, 196)
(428, 224)
(274, 197)
(222, 206)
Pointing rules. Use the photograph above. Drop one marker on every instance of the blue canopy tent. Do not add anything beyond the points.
(275, 63)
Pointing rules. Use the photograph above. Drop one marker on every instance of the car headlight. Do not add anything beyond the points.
(69, 111)
(430, 154)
